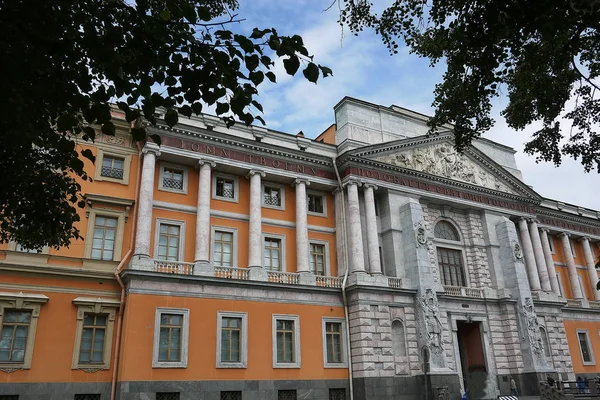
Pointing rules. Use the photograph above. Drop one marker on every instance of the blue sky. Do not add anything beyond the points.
(363, 68)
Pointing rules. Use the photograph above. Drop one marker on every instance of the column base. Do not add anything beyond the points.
(203, 268)
(258, 274)
(307, 278)
(141, 262)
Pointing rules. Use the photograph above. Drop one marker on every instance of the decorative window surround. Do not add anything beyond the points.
(14, 246)
(22, 301)
(324, 199)
(185, 313)
(94, 208)
(589, 347)
(296, 320)
(282, 251)
(459, 245)
(181, 225)
(243, 363)
(327, 259)
(281, 195)
(343, 349)
(234, 250)
(236, 187)
(95, 305)
(126, 157)
(184, 171)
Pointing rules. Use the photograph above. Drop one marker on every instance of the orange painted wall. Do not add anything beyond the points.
(593, 329)
(328, 135)
(139, 336)
(54, 344)
(559, 256)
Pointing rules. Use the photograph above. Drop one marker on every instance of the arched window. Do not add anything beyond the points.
(545, 342)
(398, 339)
(445, 230)
(449, 260)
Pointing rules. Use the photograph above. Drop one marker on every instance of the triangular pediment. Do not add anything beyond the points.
(438, 158)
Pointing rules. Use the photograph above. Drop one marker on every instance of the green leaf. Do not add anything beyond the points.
(222, 108)
(311, 72)
(108, 128)
(171, 117)
(325, 71)
(256, 77)
(185, 110)
(138, 134)
(291, 65)
(90, 132)
(271, 76)
(262, 121)
(257, 105)
(245, 43)
(87, 153)
(258, 33)
(165, 14)
(156, 139)
(204, 13)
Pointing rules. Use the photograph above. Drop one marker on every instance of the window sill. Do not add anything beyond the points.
(236, 365)
(316, 214)
(112, 180)
(178, 191)
(279, 208)
(286, 365)
(163, 364)
(229, 199)
(336, 365)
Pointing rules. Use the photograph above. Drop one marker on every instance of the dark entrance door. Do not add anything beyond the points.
(472, 358)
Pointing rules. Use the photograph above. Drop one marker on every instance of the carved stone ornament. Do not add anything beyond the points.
(9, 370)
(443, 160)
(90, 370)
(533, 328)
(420, 234)
(518, 251)
(430, 321)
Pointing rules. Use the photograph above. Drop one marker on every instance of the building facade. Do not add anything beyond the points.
(372, 262)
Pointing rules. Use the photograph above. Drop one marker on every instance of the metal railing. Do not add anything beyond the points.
(110, 172)
(174, 267)
(173, 183)
(232, 273)
(224, 192)
(289, 278)
(461, 291)
(272, 199)
(329, 281)
(395, 283)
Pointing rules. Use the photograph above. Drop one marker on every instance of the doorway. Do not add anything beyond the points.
(472, 358)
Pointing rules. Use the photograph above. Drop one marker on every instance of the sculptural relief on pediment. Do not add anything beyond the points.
(443, 160)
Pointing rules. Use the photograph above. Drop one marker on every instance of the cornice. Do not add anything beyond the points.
(248, 145)
(566, 216)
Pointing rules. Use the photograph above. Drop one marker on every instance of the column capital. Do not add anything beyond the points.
(560, 235)
(352, 182)
(150, 147)
(369, 186)
(252, 172)
(301, 180)
(584, 239)
(202, 162)
(545, 230)
(336, 191)
(533, 220)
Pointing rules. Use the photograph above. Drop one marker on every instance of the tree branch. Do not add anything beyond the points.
(588, 80)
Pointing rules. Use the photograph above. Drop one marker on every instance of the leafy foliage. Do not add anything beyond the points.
(546, 55)
(65, 62)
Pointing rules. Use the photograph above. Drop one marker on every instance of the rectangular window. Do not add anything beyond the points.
(112, 167)
(9, 397)
(316, 203)
(551, 243)
(167, 396)
(103, 244)
(87, 397)
(223, 249)
(22, 249)
(286, 341)
(450, 266)
(231, 329)
(317, 259)
(13, 338)
(272, 254)
(286, 395)
(584, 347)
(231, 395)
(333, 340)
(172, 178)
(168, 242)
(581, 285)
(171, 326)
(337, 394)
(92, 339)
(560, 285)
(225, 188)
(272, 196)
(572, 245)
(171, 338)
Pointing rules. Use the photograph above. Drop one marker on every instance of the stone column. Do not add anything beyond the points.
(340, 238)
(372, 236)
(302, 250)
(255, 223)
(591, 265)
(532, 273)
(144, 218)
(573, 277)
(356, 252)
(549, 261)
(538, 253)
(201, 254)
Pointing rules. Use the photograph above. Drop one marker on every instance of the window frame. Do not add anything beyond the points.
(323, 195)
(102, 212)
(282, 252)
(589, 344)
(551, 243)
(343, 347)
(297, 353)
(236, 187)
(243, 363)
(327, 271)
(185, 313)
(98, 306)
(572, 245)
(161, 175)
(13, 246)
(114, 154)
(22, 302)
(546, 343)
(180, 251)
(560, 285)
(451, 245)
(234, 250)
(273, 185)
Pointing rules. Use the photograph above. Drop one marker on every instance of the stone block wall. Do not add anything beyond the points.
(560, 356)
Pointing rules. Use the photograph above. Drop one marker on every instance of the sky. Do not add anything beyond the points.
(364, 69)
